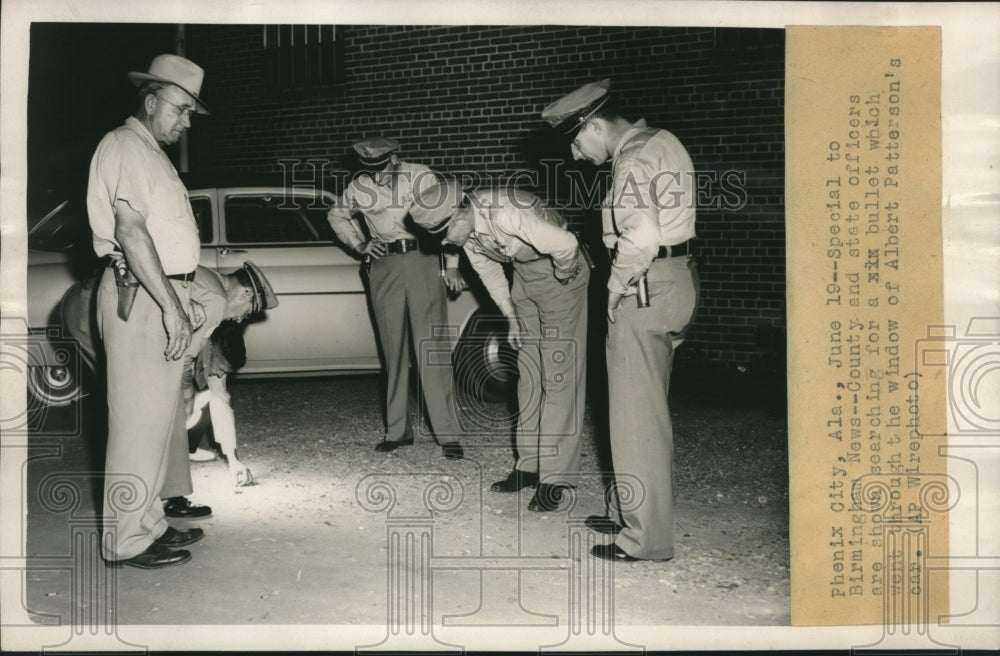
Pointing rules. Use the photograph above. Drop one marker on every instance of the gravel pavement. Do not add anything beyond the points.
(336, 533)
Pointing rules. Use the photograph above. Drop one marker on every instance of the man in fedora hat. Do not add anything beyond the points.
(649, 223)
(141, 219)
(405, 287)
(546, 310)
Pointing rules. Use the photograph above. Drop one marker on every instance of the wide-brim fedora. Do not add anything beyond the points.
(175, 70)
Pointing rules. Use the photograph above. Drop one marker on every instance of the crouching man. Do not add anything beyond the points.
(226, 299)
(206, 399)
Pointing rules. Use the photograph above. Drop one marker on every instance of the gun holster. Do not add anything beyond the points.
(585, 251)
(128, 286)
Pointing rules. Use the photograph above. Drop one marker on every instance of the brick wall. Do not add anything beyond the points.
(466, 98)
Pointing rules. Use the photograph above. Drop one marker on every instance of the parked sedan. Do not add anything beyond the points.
(323, 323)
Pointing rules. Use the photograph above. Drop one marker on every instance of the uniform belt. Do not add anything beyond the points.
(401, 246)
(677, 250)
(183, 277)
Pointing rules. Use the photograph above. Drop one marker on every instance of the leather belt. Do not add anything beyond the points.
(677, 250)
(401, 246)
(183, 277)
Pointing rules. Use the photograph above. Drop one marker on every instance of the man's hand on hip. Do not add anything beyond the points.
(373, 248)
(565, 276)
(196, 313)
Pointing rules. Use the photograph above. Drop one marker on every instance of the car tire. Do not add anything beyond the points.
(57, 384)
(485, 364)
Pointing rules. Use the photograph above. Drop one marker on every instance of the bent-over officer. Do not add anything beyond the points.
(546, 311)
(213, 353)
(406, 288)
(140, 217)
(228, 299)
(205, 391)
(648, 221)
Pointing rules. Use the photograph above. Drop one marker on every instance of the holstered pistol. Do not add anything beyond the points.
(128, 287)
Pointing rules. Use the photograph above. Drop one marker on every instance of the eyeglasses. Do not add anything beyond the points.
(185, 112)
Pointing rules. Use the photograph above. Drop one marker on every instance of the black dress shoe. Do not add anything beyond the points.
(602, 525)
(515, 481)
(179, 537)
(154, 557)
(392, 445)
(615, 553)
(546, 498)
(453, 451)
(611, 552)
(182, 508)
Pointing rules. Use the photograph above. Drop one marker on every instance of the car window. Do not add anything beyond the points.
(317, 218)
(273, 220)
(201, 207)
(62, 228)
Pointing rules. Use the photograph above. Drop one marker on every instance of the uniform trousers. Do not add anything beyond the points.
(552, 370)
(144, 408)
(640, 349)
(408, 296)
(177, 481)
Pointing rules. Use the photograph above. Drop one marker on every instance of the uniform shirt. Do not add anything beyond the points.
(513, 226)
(205, 390)
(651, 202)
(208, 289)
(383, 199)
(129, 166)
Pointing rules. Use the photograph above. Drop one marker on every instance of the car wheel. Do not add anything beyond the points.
(485, 364)
(54, 385)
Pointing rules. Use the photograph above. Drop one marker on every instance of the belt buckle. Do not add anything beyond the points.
(403, 246)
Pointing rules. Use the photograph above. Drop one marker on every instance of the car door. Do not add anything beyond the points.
(322, 322)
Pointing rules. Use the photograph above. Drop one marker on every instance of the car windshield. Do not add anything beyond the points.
(61, 227)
